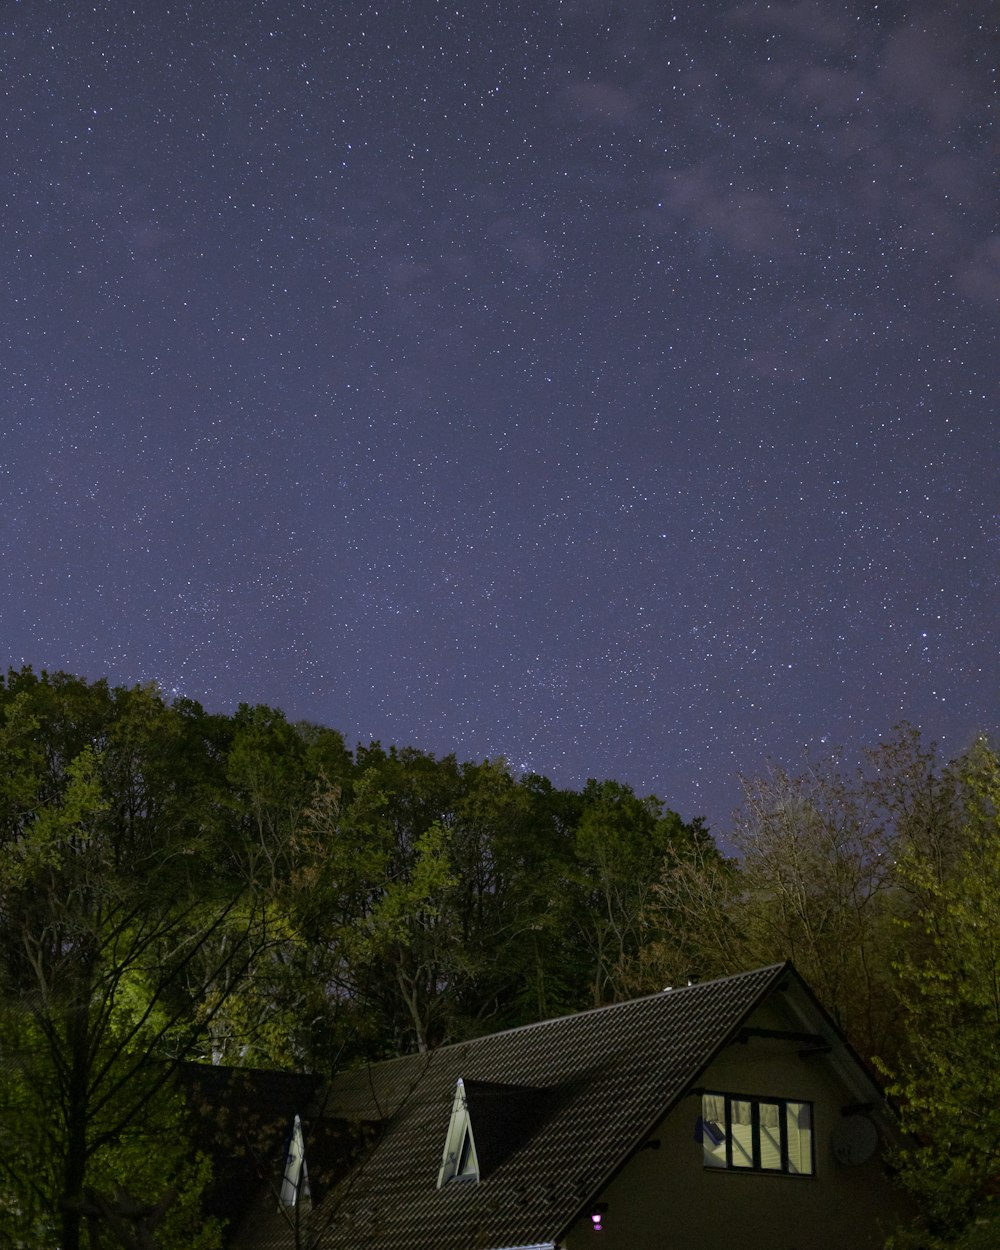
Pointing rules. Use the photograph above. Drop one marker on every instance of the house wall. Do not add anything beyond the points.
(666, 1197)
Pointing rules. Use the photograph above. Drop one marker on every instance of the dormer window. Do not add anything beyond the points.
(295, 1181)
(459, 1162)
(489, 1122)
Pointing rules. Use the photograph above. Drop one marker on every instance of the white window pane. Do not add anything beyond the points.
(799, 1120)
(742, 1112)
(742, 1132)
(770, 1136)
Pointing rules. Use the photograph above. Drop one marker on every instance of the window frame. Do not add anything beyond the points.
(756, 1167)
(460, 1159)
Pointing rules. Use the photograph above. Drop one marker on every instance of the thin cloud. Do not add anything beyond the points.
(746, 218)
(978, 277)
(921, 69)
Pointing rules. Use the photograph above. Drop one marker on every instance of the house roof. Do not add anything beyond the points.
(557, 1108)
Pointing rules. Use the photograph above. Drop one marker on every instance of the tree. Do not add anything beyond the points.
(370, 888)
(947, 1079)
(512, 855)
(695, 920)
(816, 879)
(263, 775)
(621, 844)
(108, 897)
(818, 865)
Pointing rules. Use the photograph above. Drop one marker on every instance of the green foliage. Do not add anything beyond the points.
(982, 1232)
(622, 843)
(107, 901)
(371, 892)
(152, 1159)
(948, 1080)
(816, 879)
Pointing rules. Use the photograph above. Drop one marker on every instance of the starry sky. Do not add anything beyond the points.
(605, 384)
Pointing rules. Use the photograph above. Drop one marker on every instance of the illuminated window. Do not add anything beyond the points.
(756, 1134)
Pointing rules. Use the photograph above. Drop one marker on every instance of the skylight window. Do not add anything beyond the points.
(295, 1182)
(459, 1162)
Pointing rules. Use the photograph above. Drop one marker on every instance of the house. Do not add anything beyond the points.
(725, 1112)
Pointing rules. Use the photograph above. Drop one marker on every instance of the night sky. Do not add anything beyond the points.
(604, 384)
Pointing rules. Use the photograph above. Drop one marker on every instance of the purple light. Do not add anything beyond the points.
(595, 1219)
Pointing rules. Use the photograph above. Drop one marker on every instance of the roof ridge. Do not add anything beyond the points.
(780, 966)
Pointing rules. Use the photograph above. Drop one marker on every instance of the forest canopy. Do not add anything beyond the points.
(181, 886)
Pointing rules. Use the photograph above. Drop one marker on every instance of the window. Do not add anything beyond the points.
(756, 1134)
(466, 1165)
(295, 1182)
(459, 1162)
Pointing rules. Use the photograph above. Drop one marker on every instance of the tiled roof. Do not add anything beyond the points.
(604, 1079)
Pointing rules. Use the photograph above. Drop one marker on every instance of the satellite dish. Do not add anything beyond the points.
(854, 1140)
